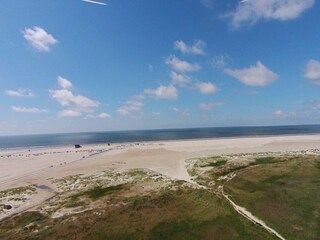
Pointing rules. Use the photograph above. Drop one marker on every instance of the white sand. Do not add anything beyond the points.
(23, 167)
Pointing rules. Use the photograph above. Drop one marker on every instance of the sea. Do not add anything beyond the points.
(65, 139)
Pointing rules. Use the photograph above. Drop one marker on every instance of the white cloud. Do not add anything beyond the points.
(220, 61)
(20, 93)
(64, 83)
(104, 115)
(163, 92)
(70, 113)
(181, 65)
(312, 71)
(156, 113)
(197, 48)
(280, 113)
(28, 110)
(206, 87)
(75, 102)
(39, 38)
(184, 113)
(101, 116)
(135, 104)
(211, 105)
(257, 76)
(179, 79)
(132, 106)
(251, 11)
(123, 111)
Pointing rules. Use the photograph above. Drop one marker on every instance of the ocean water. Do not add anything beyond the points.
(64, 139)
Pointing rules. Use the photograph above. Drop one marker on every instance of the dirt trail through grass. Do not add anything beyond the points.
(245, 213)
(241, 210)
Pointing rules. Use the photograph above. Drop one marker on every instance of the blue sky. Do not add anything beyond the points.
(71, 66)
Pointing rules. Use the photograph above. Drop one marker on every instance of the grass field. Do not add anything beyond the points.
(284, 192)
(184, 213)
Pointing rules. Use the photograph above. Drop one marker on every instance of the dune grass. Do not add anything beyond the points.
(185, 213)
(285, 194)
(264, 160)
(218, 163)
(98, 192)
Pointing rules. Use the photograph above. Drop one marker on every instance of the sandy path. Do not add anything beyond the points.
(244, 212)
(248, 215)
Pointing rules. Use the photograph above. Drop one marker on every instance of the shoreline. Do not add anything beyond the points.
(166, 157)
(104, 144)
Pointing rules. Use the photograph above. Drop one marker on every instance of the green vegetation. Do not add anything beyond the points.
(221, 169)
(98, 192)
(16, 191)
(138, 202)
(137, 173)
(29, 217)
(185, 213)
(74, 204)
(194, 229)
(230, 170)
(264, 160)
(218, 163)
(283, 193)
(317, 164)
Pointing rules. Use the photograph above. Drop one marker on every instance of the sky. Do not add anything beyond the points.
(77, 66)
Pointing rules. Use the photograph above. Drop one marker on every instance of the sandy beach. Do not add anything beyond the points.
(40, 166)
(35, 166)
